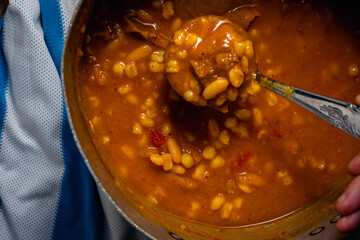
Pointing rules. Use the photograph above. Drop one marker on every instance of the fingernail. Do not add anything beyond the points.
(343, 219)
(342, 198)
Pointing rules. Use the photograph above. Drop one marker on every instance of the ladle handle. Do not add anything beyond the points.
(343, 115)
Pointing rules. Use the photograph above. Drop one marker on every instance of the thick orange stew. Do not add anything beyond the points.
(218, 149)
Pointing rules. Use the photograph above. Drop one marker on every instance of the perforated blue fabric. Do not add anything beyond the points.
(46, 192)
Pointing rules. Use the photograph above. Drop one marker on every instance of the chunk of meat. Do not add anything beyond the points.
(148, 31)
(203, 67)
(243, 15)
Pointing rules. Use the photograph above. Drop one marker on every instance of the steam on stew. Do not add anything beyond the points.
(250, 155)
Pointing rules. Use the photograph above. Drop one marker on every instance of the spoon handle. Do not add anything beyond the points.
(343, 115)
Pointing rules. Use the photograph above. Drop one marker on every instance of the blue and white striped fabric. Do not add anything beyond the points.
(46, 191)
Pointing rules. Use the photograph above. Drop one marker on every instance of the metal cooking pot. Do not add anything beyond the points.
(315, 221)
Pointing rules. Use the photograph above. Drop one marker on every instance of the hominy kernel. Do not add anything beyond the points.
(230, 122)
(245, 188)
(191, 39)
(236, 77)
(151, 112)
(149, 102)
(217, 202)
(240, 48)
(182, 54)
(238, 202)
(157, 159)
(258, 117)
(176, 24)
(217, 144)
(244, 64)
(146, 121)
(131, 98)
(131, 70)
(199, 172)
(271, 99)
(216, 87)
(217, 162)
(189, 96)
(166, 129)
(119, 68)
(226, 210)
(128, 151)
(124, 89)
(139, 53)
(353, 70)
(174, 150)
(157, 56)
(178, 169)
(253, 88)
(249, 50)
(243, 114)
(232, 94)
(241, 131)
(168, 163)
(209, 152)
(137, 129)
(195, 206)
(195, 86)
(168, 10)
(262, 133)
(213, 129)
(282, 173)
(106, 140)
(94, 101)
(224, 137)
(156, 67)
(172, 67)
(178, 38)
(187, 160)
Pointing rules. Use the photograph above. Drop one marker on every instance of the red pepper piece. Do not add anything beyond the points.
(237, 164)
(157, 139)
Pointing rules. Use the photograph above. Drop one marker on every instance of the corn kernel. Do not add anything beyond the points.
(249, 50)
(243, 114)
(156, 67)
(128, 151)
(262, 133)
(282, 173)
(137, 129)
(241, 131)
(174, 150)
(119, 68)
(157, 159)
(199, 172)
(240, 48)
(258, 117)
(176, 24)
(271, 99)
(131, 70)
(131, 98)
(168, 163)
(209, 152)
(146, 121)
(236, 77)
(195, 206)
(172, 67)
(178, 169)
(182, 54)
(167, 10)
(217, 202)
(166, 129)
(213, 129)
(106, 140)
(224, 137)
(124, 89)
(253, 88)
(226, 210)
(217, 162)
(94, 101)
(187, 160)
(139, 53)
(238, 202)
(353, 70)
(230, 122)
(189, 96)
(157, 56)
(245, 188)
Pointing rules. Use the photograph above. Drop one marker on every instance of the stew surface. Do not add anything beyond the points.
(262, 157)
